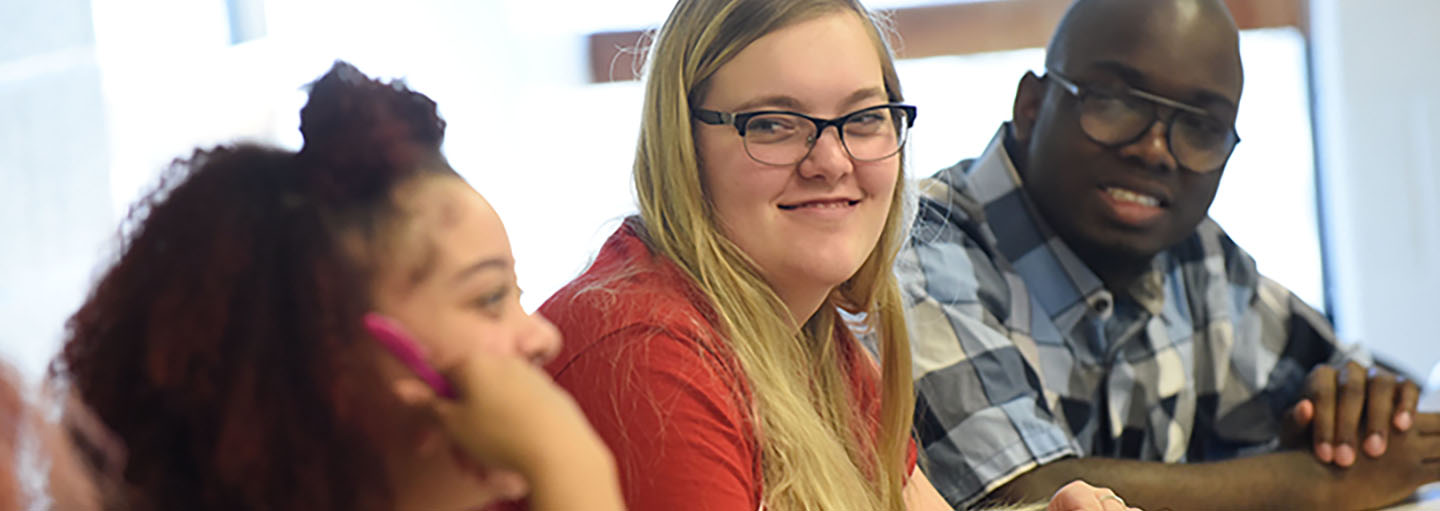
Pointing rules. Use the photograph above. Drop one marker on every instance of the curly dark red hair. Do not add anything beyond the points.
(219, 345)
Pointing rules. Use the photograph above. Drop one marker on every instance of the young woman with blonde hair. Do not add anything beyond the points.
(711, 341)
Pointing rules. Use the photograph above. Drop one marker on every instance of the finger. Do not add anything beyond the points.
(1379, 410)
(453, 415)
(1349, 406)
(1406, 401)
(1320, 390)
(1427, 423)
(505, 484)
(1109, 501)
(412, 391)
(478, 371)
(1077, 495)
(509, 485)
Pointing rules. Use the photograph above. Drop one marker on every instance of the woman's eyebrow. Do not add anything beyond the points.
(775, 100)
(786, 102)
(492, 263)
(865, 94)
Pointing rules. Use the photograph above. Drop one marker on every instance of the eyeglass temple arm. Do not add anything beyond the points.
(1068, 85)
(713, 117)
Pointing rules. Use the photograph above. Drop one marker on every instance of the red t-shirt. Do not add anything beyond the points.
(661, 386)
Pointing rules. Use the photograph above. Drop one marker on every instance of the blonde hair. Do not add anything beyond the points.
(815, 455)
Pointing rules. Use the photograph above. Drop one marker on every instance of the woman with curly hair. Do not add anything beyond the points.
(226, 347)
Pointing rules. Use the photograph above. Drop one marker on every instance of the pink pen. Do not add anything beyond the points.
(400, 344)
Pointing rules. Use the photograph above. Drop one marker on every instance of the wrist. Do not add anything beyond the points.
(560, 461)
(582, 479)
(1311, 486)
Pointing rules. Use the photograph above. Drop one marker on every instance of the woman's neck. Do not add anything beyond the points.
(802, 304)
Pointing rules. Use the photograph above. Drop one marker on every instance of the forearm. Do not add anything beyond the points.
(1272, 481)
(580, 482)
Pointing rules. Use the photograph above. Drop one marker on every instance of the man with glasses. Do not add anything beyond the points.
(1075, 314)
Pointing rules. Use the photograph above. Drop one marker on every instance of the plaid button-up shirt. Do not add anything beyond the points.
(1022, 357)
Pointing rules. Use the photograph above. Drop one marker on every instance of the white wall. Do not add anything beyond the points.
(96, 96)
(54, 207)
(1378, 118)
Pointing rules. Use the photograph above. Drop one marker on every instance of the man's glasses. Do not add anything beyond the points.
(1198, 141)
(778, 137)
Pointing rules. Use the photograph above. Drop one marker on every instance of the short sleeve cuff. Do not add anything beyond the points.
(991, 448)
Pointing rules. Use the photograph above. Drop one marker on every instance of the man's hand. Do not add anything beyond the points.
(1412, 461)
(1289, 479)
(1342, 404)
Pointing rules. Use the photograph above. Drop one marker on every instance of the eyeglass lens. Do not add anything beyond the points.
(1198, 142)
(867, 135)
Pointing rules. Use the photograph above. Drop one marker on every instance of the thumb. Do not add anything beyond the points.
(1296, 423)
(1303, 412)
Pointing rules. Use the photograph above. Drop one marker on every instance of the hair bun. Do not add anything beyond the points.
(353, 123)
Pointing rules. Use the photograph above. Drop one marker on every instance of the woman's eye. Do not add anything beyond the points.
(869, 118)
(867, 124)
(493, 300)
(771, 125)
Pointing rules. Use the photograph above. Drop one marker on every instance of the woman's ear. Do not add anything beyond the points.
(1028, 98)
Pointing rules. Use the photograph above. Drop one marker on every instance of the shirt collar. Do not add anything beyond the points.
(1062, 284)
(1149, 290)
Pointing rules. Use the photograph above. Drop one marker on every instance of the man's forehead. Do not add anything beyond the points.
(1178, 46)
(1150, 69)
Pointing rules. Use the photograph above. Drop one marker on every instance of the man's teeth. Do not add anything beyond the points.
(1135, 197)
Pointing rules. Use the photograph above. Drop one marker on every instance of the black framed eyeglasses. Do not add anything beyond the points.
(1199, 141)
(780, 137)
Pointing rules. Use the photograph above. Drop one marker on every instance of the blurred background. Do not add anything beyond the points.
(1335, 189)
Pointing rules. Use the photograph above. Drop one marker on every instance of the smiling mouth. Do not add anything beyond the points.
(827, 204)
(1134, 197)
